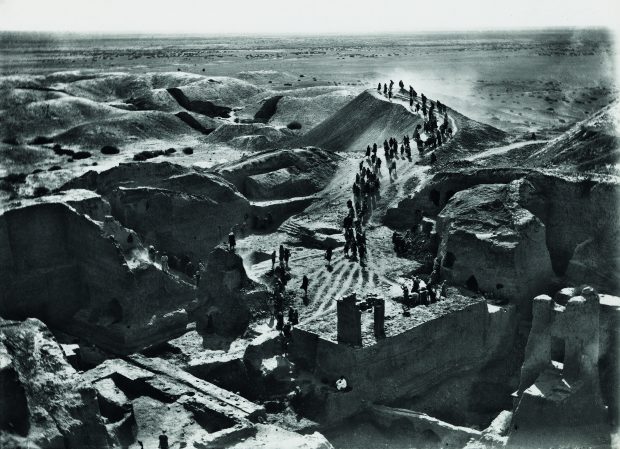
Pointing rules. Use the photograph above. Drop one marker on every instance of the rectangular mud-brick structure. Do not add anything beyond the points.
(349, 321)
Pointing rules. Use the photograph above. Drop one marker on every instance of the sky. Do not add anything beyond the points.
(300, 16)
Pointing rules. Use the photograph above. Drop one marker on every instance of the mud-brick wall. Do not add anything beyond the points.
(101, 265)
(38, 273)
(574, 211)
(410, 363)
(176, 222)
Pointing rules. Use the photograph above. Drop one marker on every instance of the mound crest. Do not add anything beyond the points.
(363, 120)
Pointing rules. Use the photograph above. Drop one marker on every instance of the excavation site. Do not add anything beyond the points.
(326, 242)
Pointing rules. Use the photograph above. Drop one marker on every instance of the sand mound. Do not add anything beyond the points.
(590, 144)
(127, 127)
(51, 116)
(282, 173)
(11, 98)
(267, 77)
(222, 91)
(117, 85)
(364, 120)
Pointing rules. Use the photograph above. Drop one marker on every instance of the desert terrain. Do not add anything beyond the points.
(471, 301)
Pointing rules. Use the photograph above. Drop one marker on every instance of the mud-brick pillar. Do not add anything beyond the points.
(379, 323)
(349, 321)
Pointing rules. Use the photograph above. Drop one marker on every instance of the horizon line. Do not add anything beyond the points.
(160, 33)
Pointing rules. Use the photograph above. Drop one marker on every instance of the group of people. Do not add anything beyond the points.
(425, 293)
(286, 328)
(436, 134)
(182, 264)
(422, 294)
(281, 273)
(365, 194)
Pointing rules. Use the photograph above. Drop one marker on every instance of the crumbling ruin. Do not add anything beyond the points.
(559, 401)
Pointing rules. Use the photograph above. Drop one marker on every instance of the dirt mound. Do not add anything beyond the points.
(51, 116)
(221, 90)
(193, 122)
(250, 135)
(282, 173)
(131, 174)
(152, 100)
(364, 120)
(105, 87)
(589, 145)
(114, 86)
(140, 125)
(267, 77)
(11, 98)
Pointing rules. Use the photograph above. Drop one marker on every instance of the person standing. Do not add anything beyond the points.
(304, 285)
(232, 241)
(163, 441)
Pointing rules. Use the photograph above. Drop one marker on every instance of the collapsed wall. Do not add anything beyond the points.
(68, 270)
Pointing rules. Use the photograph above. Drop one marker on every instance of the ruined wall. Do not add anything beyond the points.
(489, 242)
(410, 363)
(580, 215)
(59, 266)
(559, 402)
(176, 209)
(175, 221)
(575, 211)
(39, 272)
